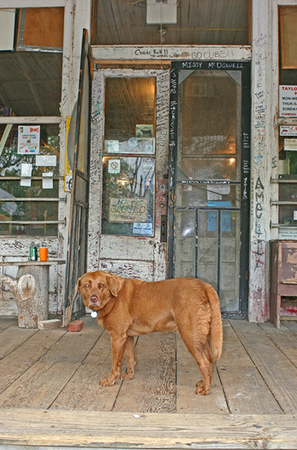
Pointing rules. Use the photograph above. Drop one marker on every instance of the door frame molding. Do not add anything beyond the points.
(245, 68)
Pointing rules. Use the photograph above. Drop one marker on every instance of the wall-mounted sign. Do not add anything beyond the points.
(287, 130)
(128, 210)
(28, 139)
(290, 145)
(114, 165)
(288, 101)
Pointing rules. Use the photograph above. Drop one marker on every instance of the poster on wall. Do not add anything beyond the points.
(28, 139)
(288, 101)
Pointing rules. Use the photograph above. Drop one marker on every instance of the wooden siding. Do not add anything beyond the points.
(210, 22)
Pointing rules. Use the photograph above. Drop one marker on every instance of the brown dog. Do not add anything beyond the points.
(128, 308)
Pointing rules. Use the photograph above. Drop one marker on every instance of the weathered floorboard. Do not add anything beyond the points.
(12, 337)
(55, 374)
(283, 338)
(83, 391)
(276, 369)
(39, 385)
(153, 387)
(244, 387)
(126, 430)
(291, 325)
(7, 321)
(188, 374)
(14, 365)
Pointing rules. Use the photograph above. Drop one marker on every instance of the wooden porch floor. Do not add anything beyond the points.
(50, 393)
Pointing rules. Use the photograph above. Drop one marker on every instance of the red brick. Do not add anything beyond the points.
(76, 325)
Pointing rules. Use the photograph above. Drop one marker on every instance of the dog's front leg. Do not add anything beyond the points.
(117, 347)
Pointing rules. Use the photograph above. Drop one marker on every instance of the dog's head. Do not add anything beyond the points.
(97, 288)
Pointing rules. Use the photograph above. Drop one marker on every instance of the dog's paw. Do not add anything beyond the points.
(201, 389)
(127, 376)
(106, 382)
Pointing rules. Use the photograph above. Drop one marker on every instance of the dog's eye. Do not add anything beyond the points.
(101, 286)
(87, 285)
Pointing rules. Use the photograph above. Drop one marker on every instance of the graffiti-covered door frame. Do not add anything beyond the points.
(244, 67)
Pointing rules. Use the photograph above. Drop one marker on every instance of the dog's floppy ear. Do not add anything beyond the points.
(114, 284)
(77, 287)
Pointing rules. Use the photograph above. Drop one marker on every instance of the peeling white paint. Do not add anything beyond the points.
(146, 256)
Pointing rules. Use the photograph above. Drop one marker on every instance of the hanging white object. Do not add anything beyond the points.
(158, 11)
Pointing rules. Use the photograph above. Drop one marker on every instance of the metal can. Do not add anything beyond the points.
(33, 253)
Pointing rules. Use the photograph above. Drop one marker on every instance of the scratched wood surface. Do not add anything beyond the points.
(254, 383)
(257, 373)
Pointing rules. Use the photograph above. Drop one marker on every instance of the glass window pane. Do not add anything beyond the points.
(129, 181)
(207, 169)
(130, 115)
(30, 83)
(193, 195)
(128, 196)
(210, 113)
(13, 186)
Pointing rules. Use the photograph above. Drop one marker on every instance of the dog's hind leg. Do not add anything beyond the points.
(130, 357)
(205, 360)
(206, 367)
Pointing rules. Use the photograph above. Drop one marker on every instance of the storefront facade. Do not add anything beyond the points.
(185, 174)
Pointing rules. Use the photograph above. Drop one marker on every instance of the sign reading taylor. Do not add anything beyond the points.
(288, 101)
(128, 210)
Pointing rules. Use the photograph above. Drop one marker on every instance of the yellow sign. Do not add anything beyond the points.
(128, 210)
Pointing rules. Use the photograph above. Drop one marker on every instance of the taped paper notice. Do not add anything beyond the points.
(25, 182)
(46, 160)
(47, 180)
(26, 172)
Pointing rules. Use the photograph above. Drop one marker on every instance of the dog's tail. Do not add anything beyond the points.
(216, 328)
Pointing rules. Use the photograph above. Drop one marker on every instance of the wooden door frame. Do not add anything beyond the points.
(78, 208)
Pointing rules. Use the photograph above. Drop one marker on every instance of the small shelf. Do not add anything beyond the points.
(53, 262)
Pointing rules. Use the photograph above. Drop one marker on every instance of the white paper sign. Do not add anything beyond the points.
(46, 160)
(112, 146)
(28, 139)
(288, 130)
(288, 101)
(47, 180)
(114, 165)
(25, 182)
(26, 171)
